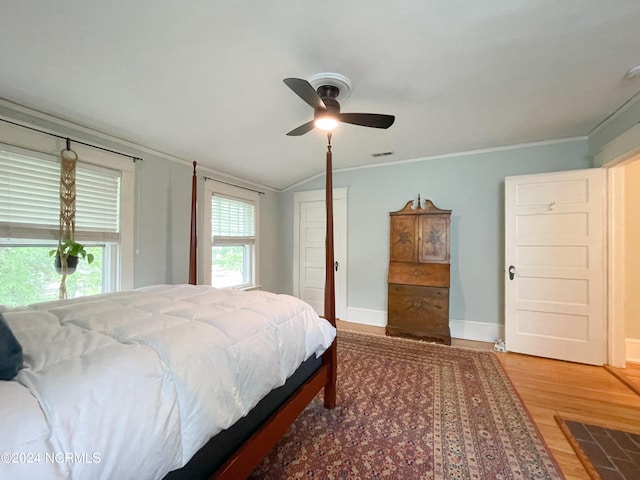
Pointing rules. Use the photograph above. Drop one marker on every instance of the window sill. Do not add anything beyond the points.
(251, 287)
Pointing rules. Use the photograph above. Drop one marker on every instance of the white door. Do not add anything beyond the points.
(309, 248)
(555, 228)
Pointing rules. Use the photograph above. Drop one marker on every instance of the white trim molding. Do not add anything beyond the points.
(366, 316)
(620, 148)
(33, 141)
(616, 266)
(633, 349)
(501, 148)
(462, 329)
(478, 331)
(210, 188)
(615, 156)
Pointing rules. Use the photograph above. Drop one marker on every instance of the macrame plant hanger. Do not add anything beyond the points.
(68, 160)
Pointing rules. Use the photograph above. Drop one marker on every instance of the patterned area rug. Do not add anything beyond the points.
(413, 410)
(606, 454)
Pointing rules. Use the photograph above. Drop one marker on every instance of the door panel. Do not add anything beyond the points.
(562, 256)
(309, 248)
(554, 325)
(312, 234)
(555, 240)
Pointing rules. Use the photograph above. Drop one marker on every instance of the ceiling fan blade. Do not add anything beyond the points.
(305, 91)
(375, 120)
(302, 129)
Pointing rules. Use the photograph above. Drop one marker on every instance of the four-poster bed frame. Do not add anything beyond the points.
(243, 461)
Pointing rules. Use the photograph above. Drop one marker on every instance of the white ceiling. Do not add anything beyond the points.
(202, 79)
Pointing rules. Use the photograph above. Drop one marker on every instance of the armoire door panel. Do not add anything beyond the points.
(404, 247)
(434, 239)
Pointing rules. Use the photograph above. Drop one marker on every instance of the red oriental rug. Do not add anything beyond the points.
(413, 410)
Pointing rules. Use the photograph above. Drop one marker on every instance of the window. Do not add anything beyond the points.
(231, 219)
(29, 227)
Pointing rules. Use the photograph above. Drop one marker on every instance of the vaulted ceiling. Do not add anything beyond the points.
(202, 80)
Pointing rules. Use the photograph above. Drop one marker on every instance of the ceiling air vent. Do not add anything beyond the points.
(381, 154)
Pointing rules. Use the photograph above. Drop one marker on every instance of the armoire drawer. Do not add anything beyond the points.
(422, 274)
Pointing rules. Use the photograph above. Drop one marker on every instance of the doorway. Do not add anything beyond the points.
(624, 263)
(309, 227)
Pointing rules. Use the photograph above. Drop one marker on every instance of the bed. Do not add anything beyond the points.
(134, 384)
(128, 384)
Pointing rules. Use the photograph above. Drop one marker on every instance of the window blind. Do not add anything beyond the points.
(232, 218)
(30, 199)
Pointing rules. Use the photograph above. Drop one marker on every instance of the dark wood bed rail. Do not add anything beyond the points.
(248, 456)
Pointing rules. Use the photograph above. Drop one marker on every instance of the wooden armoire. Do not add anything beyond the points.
(418, 302)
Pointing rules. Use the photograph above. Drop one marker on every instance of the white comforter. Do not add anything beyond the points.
(132, 384)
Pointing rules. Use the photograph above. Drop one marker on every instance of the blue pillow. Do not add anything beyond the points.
(10, 352)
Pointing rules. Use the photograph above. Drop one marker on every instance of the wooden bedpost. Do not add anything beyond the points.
(242, 462)
(193, 259)
(330, 356)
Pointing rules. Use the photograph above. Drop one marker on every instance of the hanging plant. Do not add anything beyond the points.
(67, 256)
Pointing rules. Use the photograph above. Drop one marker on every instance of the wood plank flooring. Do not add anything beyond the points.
(578, 392)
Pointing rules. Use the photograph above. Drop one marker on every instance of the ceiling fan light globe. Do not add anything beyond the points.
(326, 123)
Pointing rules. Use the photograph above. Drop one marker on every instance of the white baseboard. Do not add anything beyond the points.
(463, 329)
(632, 346)
(479, 331)
(365, 316)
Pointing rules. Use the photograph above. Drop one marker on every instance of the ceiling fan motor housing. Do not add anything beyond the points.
(328, 91)
(323, 98)
(328, 94)
(333, 108)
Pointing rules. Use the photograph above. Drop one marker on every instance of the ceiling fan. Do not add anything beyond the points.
(324, 101)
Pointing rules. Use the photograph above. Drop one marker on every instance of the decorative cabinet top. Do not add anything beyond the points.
(421, 234)
(428, 209)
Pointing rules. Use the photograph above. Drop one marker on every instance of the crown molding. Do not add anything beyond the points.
(62, 123)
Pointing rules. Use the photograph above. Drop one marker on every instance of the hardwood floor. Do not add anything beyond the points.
(551, 387)
(580, 392)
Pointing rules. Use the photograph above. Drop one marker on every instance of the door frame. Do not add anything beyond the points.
(617, 258)
(339, 229)
(614, 157)
(616, 351)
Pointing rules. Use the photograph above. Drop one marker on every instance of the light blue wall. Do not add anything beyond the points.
(272, 254)
(163, 198)
(620, 123)
(471, 185)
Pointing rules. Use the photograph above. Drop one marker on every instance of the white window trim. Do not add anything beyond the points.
(37, 142)
(210, 188)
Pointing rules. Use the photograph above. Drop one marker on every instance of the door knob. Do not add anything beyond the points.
(512, 272)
